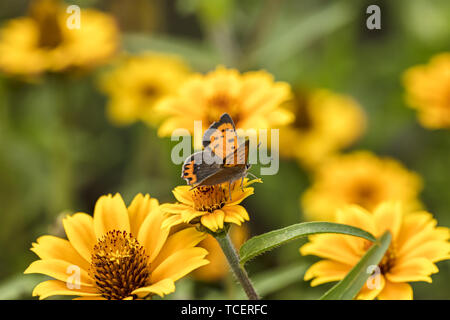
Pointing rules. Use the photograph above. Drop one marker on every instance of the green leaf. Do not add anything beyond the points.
(271, 281)
(275, 238)
(349, 287)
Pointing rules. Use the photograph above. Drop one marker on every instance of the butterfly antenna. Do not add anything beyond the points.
(252, 175)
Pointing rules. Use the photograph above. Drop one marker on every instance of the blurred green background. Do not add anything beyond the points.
(59, 153)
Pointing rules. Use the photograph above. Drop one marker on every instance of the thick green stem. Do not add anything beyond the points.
(233, 260)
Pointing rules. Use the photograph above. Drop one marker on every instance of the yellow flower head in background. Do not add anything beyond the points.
(218, 267)
(42, 41)
(209, 206)
(119, 253)
(417, 244)
(252, 99)
(359, 178)
(325, 122)
(428, 91)
(138, 83)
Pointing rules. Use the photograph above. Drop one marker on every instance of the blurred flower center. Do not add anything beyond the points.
(45, 14)
(365, 195)
(119, 265)
(389, 257)
(209, 198)
(220, 103)
(150, 91)
(303, 119)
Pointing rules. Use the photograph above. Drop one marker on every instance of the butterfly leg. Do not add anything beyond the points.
(229, 189)
(242, 183)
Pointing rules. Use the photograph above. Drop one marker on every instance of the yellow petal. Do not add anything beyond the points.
(55, 287)
(339, 251)
(213, 221)
(326, 271)
(376, 286)
(60, 270)
(174, 208)
(396, 291)
(183, 195)
(417, 269)
(172, 221)
(238, 196)
(51, 247)
(388, 216)
(180, 240)
(138, 210)
(151, 234)
(80, 232)
(90, 298)
(357, 217)
(179, 264)
(236, 211)
(434, 251)
(160, 288)
(110, 214)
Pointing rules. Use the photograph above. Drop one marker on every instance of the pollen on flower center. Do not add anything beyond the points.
(209, 198)
(119, 265)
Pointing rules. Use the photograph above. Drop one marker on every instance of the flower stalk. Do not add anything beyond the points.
(233, 260)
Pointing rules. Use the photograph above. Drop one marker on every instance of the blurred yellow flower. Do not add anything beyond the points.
(120, 253)
(252, 99)
(42, 41)
(428, 91)
(417, 244)
(218, 267)
(209, 206)
(138, 83)
(359, 178)
(324, 123)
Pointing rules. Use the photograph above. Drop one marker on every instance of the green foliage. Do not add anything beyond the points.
(270, 240)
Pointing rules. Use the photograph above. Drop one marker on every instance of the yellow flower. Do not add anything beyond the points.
(42, 41)
(119, 253)
(359, 178)
(252, 99)
(138, 83)
(417, 244)
(428, 91)
(209, 206)
(218, 267)
(325, 122)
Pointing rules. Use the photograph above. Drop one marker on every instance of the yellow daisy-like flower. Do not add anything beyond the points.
(252, 99)
(209, 206)
(42, 41)
(138, 83)
(325, 122)
(417, 244)
(428, 91)
(119, 253)
(359, 178)
(218, 267)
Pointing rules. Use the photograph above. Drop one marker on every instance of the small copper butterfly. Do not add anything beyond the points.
(221, 160)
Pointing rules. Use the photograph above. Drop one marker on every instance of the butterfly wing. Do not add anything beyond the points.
(239, 157)
(221, 138)
(196, 169)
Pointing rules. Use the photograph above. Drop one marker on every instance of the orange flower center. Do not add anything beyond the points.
(209, 198)
(119, 265)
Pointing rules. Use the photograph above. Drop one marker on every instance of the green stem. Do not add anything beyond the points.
(233, 260)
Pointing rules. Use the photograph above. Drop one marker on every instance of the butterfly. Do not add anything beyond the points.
(222, 159)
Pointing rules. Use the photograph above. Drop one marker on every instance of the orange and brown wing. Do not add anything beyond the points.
(239, 156)
(221, 137)
(196, 169)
